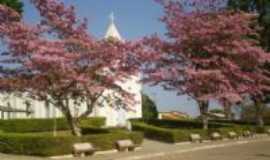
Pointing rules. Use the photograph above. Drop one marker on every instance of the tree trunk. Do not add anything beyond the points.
(259, 114)
(204, 105)
(228, 111)
(73, 122)
(260, 121)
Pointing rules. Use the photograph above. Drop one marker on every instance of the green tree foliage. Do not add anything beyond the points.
(149, 108)
(15, 4)
(245, 5)
(248, 113)
(262, 7)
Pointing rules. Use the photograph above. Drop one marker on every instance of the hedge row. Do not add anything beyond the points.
(43, 125)
(239, 122)
(183, 124)
(47, 145)
(170, 135)
(166, 134)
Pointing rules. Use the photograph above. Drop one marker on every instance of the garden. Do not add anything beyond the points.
(36, 137)
(175, 131)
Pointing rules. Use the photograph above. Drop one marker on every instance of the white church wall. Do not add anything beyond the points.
(115, 116)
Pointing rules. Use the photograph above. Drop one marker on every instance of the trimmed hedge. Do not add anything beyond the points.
(93, 122)
(166, 134)
(183, 124)
(107, 141)
(43, 125)
(247, 125)
(169, 134)
(93, 130)
(47, 145)
(239, 122)
(85, 130)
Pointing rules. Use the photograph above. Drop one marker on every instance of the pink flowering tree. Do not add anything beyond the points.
(58, 61)
(208, 55)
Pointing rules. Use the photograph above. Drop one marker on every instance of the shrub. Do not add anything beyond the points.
(93, 122)
(171, 134)
(107, 141)
(149, 108)
(47, 145)
(183, 124)
(43, 125)
(93, 130)
(166, 134)
(260, 129)
(39, 145)
(31, 125)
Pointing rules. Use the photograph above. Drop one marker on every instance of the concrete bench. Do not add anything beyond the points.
(247, 134)
(232, 135)
(125, 145)
(216, 136)
(196, 138)
(268, 131)
(83, 149)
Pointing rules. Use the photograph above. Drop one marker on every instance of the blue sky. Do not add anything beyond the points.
(135, 19)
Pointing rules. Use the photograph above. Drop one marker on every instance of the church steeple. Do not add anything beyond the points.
(112, 31)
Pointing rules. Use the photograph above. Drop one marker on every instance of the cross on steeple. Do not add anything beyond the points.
(112, 31)
(112, 17)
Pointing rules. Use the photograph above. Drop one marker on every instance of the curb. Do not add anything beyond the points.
(113, 151)
(207, 147)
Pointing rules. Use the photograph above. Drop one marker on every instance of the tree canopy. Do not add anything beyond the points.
(208, 54)
(72, 65)
(14, 4)
(262, 8)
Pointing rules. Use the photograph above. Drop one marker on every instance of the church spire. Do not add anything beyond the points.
(112, 31)
(112, 17)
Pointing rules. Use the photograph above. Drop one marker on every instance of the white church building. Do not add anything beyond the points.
(12, 107)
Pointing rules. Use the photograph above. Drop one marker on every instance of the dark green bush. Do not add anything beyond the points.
(43, 125)
(166, 134)
(39, 145)
(85, 130)
(149, 108)
(183, 124)
(47, 145)
(31, 125)
(107, 141)
(260, 129)
(170, 134)
(93, 122)
(153, 132)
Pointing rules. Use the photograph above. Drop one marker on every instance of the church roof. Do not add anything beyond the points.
(112, 31)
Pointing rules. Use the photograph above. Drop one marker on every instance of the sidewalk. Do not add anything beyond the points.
(153, 149)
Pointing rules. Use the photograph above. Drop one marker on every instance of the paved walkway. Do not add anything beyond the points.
(153, 150)
(250, 151)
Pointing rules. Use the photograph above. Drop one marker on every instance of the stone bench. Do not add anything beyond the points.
(215, 136)
(195, 138)
(125, 145)
(268, 131)
(247, 134)
(83, 149)
(232, 135)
